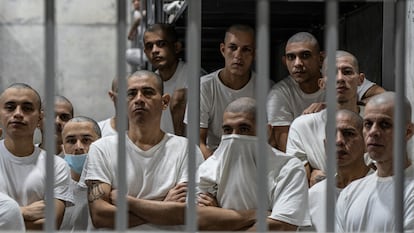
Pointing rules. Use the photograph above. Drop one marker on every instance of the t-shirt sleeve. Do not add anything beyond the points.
(339, 212)
(278, 110)
(62, 190)
(206, 100)
(295, 145)
(98, 166)
(290, 196)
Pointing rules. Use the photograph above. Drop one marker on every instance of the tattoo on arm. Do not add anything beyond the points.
(95, 191)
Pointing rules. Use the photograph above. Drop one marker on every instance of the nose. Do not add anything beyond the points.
(298, 61)
(79, 147)
(374, 131)
(339, 76)
(18, 113)
(339, 139)
(237, 53)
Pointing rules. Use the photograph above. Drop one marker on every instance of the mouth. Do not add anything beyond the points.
(237, 64)
(340, 89)
(341, 153)
(374, 145)
(157, 59)
(139, 110)
(17, 123)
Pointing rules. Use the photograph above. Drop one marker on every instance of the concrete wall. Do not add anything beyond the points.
(86, 50)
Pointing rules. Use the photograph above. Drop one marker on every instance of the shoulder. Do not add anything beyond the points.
(209, 78)
(305, 120)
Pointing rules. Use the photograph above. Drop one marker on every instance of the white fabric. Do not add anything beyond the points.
(150, 174)
(305, 139)
(11, 218)
(106, 128)
(286, 101)
(214, 98)
(178, 81)
(23, 178)
(231, 174)
(76, 216)
(317, 203)
(366, 84)
(367, 204)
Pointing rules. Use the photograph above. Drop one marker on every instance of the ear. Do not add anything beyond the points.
(322, 56)
(111, 95)
(41, 115)
(321, 83)
(361, 79)
(178, 47)
(222, 47)
(284, 60)
(165, 101)
(410, 131)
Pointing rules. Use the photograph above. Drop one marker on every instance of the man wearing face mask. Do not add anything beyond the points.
(229, 178)
(78, 133)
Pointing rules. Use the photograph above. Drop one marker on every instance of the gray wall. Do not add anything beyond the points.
(86, 50)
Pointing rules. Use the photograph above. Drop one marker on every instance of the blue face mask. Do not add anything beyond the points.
(76, 162)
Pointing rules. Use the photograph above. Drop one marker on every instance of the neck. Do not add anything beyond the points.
(166, 73)
(20, 147)
(75, 176)
(386, 168)
(346, 175)
(113, 122)
(145, 137)
(349, 105)
(232, 81)
(309, 87)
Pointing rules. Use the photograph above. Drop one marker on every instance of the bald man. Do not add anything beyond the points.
(367, 205)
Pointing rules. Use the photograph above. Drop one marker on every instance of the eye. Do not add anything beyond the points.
(147, 92)
(247, 50)
(86, 141)
(233, 47)
(148, 46)
(385, 125)
(347, 72)
(161, 43)
(65, 117)
(306, 55)
(244, 130)
(348, 133)
(9, 107)
(131, 93)
(227, 130)
(367, 124)
(71, 141)
(27, 108)
(290, 57)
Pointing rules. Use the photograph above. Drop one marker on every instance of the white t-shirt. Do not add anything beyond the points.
(76, 216)
(23, 178)
(11, 218)
(286, 101)
(106, 128)
(231, 175)
(367, 204)
(317, 203)
(366, 84)
(305, 139)
(150, 174)
(178, 81)
(214, 98)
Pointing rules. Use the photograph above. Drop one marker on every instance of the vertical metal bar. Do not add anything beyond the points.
(331, 43)
(193, 130)
(50, 144)
(400, 146)
(262, 86)
(388, 55)
(121, 222)
(159, 13)
(149, 10)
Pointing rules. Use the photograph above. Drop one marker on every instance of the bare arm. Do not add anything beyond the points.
(177, 107)
(203, 143)
(34, 214)
(374, 90)
(278, 137)
(102, 212)
(133, 30)
(215, 218)
(276, 225)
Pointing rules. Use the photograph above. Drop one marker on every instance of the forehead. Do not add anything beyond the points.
(238, 118)
(142, 81)
(241, 38)
(63, 107)
(154, 35)
(300, 47)
(379, 111)
(19, 95)
(78, 128)
(345, 121)
(345, 61)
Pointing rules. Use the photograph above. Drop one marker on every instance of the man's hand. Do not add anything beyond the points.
(315, 107)
(316, 176)
(34, 211)
(207, 199)
(178, 193)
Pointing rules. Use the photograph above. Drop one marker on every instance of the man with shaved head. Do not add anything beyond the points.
(22, 165)
(221, 87)
(229, 178)
(367, 205)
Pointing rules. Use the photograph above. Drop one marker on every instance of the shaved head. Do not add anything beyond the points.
(243, 104)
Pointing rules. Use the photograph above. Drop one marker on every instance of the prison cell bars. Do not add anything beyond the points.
(193, 53)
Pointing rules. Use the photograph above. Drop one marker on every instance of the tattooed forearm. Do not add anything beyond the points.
(95, 191)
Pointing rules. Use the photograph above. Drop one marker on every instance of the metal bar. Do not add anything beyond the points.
(262, 87)
(193, 129)
(400, 146)
(159, 13)
(149, 9)
(49, 127)
(331, 41)
(121, 221)
(388, 55)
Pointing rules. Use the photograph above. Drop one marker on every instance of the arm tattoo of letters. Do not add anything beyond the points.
(95, 191)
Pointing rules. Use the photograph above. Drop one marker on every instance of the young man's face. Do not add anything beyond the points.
(161, 52)
(145, 102)
(350, 145)
(238, 51)
(77, 137)
(303, 61)
(242, 123)
(20, 112)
